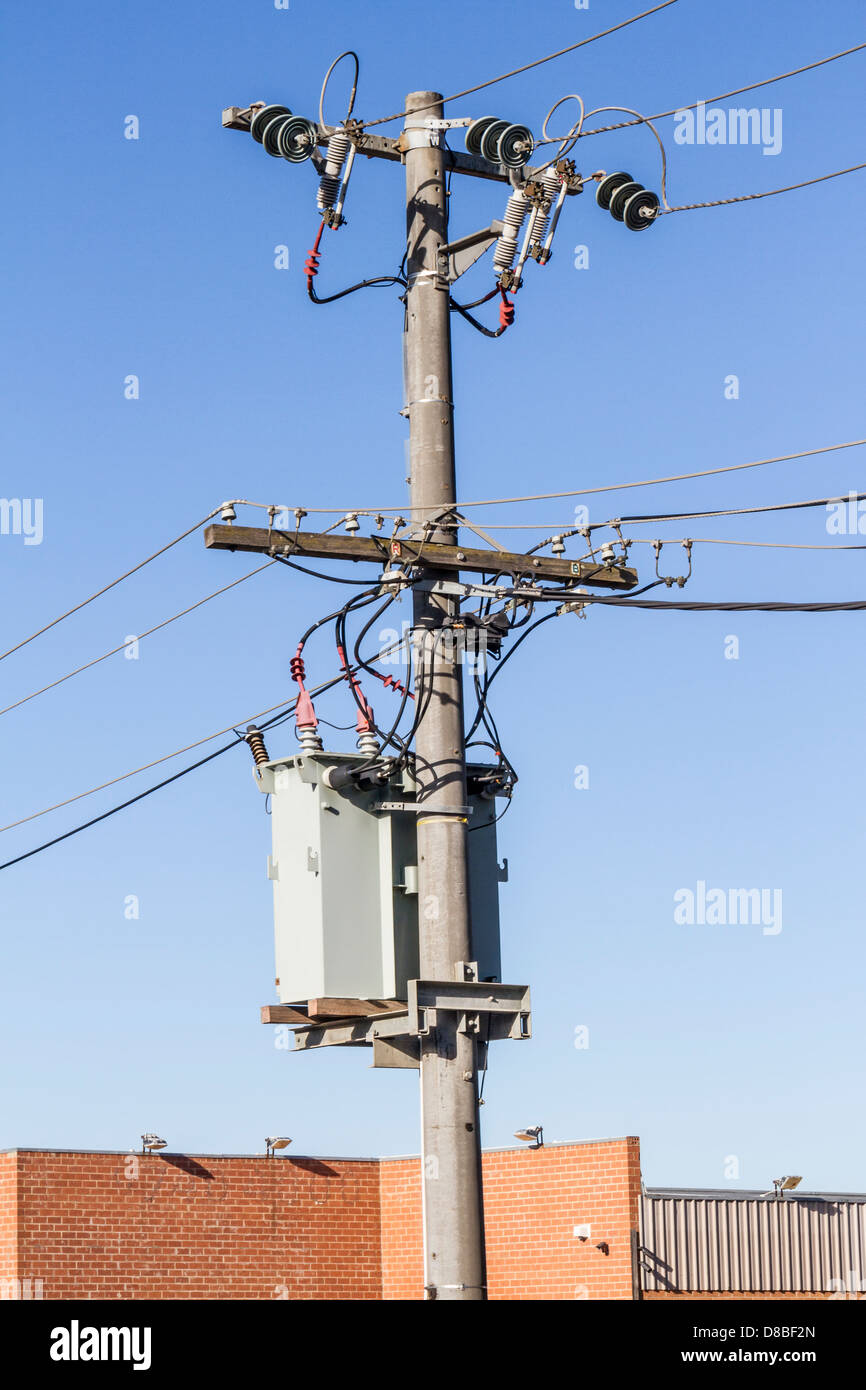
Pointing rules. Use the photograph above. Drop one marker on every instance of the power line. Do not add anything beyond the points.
(122, 807)
(566, 526)
(767, 193)
(723, 96)
(643, 482)
(851, 605)
(739, 511)
(468, 91)
(285, 709)
(145, 767)
(141, 795)
(188, 747)
(140, 637)
(765, 545)
(112, 585)
(396, 512)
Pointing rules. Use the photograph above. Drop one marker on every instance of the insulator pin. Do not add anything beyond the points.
(329, 184)
(368, 744)
(309, 739)
(257, 745)
(551, 184)
(516, 209)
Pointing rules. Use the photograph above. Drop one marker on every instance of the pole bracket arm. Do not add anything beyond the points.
(458, 256)
(486, 1008)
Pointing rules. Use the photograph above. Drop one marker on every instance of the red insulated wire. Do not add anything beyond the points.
(354, 683)
(311, 265)
(391, 681)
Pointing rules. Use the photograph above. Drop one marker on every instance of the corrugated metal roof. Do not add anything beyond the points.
(701, 1242)
(733, 1194)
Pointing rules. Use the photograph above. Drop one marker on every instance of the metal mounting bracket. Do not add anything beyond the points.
(459, 256)
(486, 1008)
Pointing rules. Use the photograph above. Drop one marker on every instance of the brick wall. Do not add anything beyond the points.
(533, 1199)
(104, 1225)
(113, 1225)
(8, 1221)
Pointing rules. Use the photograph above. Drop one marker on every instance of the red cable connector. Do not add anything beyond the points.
(506, 311)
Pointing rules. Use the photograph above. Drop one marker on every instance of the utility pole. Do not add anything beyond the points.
(451, 1149)
(449, 1016)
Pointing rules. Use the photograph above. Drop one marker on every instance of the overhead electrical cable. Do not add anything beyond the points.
(285, 709)
(188, 747)
(767, 192)
(708, 100)
(112, 585)
(588, 491)
(564, 528)
(140, 637)
(723, 96)
(226, 748)
(740, 511)
(768, 606)
(764, 545)
(122, 807)
(669, 478)
(537, 62)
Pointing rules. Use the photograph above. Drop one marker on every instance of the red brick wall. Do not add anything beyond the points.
(533, 1199)
(8, 1221)
(108, 1225)
(95, 1225)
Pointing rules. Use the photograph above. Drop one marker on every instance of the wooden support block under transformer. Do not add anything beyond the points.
(311, 1011)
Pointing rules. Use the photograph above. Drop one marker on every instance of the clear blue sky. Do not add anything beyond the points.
(155, 257)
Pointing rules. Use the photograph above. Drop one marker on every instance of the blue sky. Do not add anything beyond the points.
(155, 257)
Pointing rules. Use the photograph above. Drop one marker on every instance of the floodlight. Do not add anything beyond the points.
(277, 1142)
(781, 1185)
(151, 1143)
(533, 1134)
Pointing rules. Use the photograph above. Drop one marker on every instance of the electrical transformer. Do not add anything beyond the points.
(344, 865)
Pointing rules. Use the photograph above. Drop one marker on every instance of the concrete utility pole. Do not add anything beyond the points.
(451, 1149)
(447, 1008)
